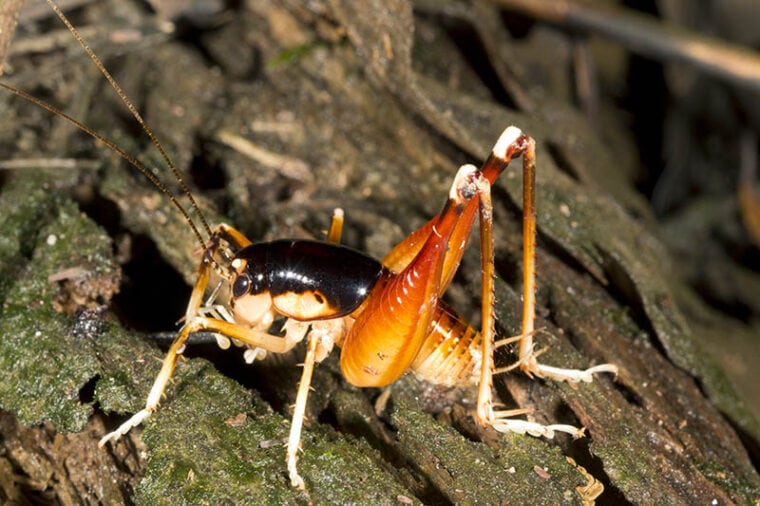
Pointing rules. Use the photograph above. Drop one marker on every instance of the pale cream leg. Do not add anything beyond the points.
(296, 424)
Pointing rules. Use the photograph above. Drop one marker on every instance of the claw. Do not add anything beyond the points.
(124, 428)
(536, 429)
(295, 479)
(569, 375)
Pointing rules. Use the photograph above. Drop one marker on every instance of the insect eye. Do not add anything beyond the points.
(241, 285)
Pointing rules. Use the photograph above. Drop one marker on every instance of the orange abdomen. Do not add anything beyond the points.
(396, 322)
(387, 336)
(450, 354)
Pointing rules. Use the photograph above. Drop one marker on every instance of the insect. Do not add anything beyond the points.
(386, 316)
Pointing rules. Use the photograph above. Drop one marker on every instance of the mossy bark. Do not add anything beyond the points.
(368, 107)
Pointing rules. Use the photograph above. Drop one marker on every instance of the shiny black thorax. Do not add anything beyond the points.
(341, 275)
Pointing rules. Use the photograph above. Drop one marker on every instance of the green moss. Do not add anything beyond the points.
(44, 364)
(42, 377)
(199, 456)
(293, 54)
(44, 361)
(196, 454)
(472, 473)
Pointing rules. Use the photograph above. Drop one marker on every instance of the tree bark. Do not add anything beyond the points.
(276, 113)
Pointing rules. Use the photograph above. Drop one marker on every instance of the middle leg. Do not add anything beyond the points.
(318, 346)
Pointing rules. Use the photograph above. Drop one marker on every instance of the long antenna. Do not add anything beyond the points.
(111, 145)
(136, 115)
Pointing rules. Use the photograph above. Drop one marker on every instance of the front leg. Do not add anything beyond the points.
(250, 337)
(176, 349)
(194, 323)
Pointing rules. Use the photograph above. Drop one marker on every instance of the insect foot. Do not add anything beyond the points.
(532, 367)
(124, 428)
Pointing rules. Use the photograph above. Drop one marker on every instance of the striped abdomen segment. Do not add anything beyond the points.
(451, 351)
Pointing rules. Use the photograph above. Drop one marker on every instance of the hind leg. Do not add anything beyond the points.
(502, 420)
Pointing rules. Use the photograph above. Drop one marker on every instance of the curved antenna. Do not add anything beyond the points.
(116, 149)
(128, 103)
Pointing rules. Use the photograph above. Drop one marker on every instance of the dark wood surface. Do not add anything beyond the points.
(277, 112)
